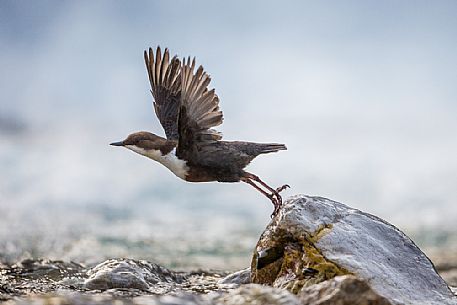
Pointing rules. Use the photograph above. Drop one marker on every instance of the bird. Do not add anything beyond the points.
(188, 112)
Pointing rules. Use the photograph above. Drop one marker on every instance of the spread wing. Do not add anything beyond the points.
(165, 79)
(199, 111)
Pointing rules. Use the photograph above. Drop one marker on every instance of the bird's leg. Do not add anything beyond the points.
(274, 192)
(270, 196)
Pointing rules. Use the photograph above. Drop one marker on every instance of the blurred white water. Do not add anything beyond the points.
(362, 94)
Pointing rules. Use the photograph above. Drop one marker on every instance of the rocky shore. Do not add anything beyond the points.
(315, 251)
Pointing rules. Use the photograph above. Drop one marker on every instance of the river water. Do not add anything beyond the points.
(66, 194)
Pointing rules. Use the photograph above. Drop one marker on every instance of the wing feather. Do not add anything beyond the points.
(164, 77)
(184, 105)
(199, 110)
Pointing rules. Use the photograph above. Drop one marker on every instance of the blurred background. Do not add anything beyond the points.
(362, 92)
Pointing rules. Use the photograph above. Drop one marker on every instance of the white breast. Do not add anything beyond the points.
(177, 166)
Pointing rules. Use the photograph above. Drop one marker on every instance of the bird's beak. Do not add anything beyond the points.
(117, 143)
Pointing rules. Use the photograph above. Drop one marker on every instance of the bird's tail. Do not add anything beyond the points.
(271, 147)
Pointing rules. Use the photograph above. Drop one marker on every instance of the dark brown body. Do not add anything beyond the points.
(224, 161)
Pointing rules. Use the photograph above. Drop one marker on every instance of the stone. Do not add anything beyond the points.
(237, 278)
(254, 294)
(114, 278)
(244, 295)
(132, 274)
(454, 290)
(314, 239)
(341, 290)
(82, 299)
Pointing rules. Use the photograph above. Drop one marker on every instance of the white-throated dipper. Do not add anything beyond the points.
(187, 110)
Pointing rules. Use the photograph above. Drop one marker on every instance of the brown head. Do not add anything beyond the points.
(144, 142)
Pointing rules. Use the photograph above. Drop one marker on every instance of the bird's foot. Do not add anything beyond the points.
(282, 188)
(277, 202)
(273, 198)
(277, 199)
(275, 211)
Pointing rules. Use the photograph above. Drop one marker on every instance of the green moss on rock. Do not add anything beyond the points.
(301, 263)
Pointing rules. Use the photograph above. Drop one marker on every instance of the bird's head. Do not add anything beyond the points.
(145, 143)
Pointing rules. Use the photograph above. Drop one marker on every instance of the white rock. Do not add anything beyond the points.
(368, 247)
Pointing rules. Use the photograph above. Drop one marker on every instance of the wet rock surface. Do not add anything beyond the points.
(132, 274)
(237, 278)
(316, 251)
(314, 239)
(114, 278)
(126, 281)
(256, 294)
(59, 283)
(341, 290)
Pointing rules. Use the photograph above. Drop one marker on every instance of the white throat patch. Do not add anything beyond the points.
(177, 166)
